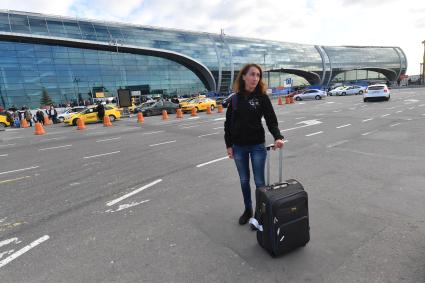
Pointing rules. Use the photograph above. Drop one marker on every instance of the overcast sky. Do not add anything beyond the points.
(327, 22)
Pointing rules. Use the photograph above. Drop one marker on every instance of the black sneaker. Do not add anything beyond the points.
(247, 214)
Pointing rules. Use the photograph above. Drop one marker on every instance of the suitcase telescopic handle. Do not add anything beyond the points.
(268, 148)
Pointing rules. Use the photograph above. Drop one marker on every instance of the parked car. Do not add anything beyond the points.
(200, 104)
(349, 90)
(377, 91)
(310, 94)
(335, 90)
(155, 108)
(3, 120)
(89, 115)
(69, 111)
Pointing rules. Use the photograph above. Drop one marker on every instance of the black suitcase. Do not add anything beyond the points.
(281, 214)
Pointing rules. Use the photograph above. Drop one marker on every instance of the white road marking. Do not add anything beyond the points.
(393, 125)
(4, 155)
(336, 111)
(18, 170)
(411, 108)
(187, 127)
(390, 108)
(112, 202)
(212, 161)
(95, 133)
(352, 108)
(126, 205)
(385, 115)
(23, 250)
(299, 118)
(336, 143)
(156, 144)
(53, 139)
(422, 105)
(103, 154)
(207, 135)
(423, 114)
(329, 102)
(306, 123)
(399, 111)
(312, 134)
(281, 121)
(16, 179)
(368, 133)
(343, 126)
(218, 128)
(55, 147)
(150, 133)
(219, 119)
(365, 120)
(8, 241)
(191, 118)
(111, 139)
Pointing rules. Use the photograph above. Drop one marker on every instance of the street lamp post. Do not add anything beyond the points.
(77, 80)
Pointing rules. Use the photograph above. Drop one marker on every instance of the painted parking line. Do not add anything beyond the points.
(411, 108)
(55, 147)
(112, 202)
(212, 161)
(23, 250)
(151, 133)
(187, 127)
(336, 111)
(336, 143)
(343, 126)
(368, 133)
(9, 144)
(298, 118)
(103, 154)
(207, 135)
(366, 120)
(396, 124)
(421, 105)
(161, 143)
(51, 139)
(218, 128)
(19, 170)
(191, 118)
(16, 179)
(1, 155)
(399, 111)
(385, 115)
(111, 139)
(219, 119)
(313, 134)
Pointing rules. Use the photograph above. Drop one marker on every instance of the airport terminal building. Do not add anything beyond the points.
(75, 59)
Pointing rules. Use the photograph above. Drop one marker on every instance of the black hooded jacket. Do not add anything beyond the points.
(243, 123)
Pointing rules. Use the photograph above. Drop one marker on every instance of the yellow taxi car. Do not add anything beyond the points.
(3, 121)
(89, 115)
(199, 103)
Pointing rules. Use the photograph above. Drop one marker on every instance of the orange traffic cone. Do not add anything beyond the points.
(39, 130)
(179, 113)
(24, 123)
(164, 115)
(47, 121)
(80, 124)
(194, 112)
(291, 99)
(287, 101)
(107, 121)
(209, 110)
(279, 101)
(140, 118)
(220, 109)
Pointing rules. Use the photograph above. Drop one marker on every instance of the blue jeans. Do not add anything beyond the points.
(241, 154)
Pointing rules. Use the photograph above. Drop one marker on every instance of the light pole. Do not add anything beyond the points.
(77, 80)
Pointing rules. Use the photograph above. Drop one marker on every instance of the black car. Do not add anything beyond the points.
(155, 108)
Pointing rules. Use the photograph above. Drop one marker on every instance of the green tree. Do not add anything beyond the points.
(45, 98)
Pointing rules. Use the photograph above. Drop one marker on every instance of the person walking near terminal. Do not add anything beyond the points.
(52, 114)
(244, 133)
(40, 116)
(100, 111)
(28, 116)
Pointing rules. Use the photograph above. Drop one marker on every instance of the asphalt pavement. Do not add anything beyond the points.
(160, 201)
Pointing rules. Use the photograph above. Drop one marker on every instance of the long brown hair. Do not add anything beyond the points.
(239, 84)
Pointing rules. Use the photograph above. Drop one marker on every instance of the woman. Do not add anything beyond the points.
(244, 132)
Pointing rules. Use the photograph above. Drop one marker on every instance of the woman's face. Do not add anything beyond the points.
(251, 78)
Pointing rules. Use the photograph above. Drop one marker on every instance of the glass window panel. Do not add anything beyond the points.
(72, 29)
(102, 33)
(19, 23)
(4, 22)
(38, 26)
(87, 30)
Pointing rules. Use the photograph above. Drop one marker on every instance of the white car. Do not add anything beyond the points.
(376, 91)
(310, 94)
(349, 90)
(336, 90)
(65, 115)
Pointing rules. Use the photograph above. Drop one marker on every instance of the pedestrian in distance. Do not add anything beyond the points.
(100, 111)
(244, 133)
(52, 114)
(28, 116)
(40, 116)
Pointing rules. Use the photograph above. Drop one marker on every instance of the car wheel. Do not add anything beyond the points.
(364, 99)
(60, 120)
(297, 98)
(343, 93)
(173, 111)
(197, 109)
(75, 122)
(361, 92)
(112, 118)
(2, 126)
(212, 107)
(147, 114)
(318, 97)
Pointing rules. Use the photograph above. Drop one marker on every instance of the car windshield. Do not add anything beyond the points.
(378, 87)
(148, 104)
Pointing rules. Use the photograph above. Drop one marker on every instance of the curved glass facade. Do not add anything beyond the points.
(72, 58)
